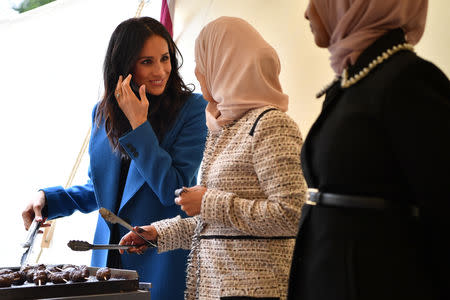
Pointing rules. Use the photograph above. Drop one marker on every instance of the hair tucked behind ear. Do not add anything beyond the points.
(122, 54)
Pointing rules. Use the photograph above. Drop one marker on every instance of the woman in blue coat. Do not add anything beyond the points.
(147, 140)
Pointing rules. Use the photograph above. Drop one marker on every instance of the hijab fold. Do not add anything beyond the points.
(241, 70)
(353, 25)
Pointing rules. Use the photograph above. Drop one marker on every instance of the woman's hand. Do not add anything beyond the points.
(148, 231)
(190, 199)
(34, 210)
(134, 109)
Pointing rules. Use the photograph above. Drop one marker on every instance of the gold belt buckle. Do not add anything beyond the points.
(309, 202)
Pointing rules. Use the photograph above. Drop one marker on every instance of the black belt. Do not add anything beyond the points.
(244, 237)
(354, 201)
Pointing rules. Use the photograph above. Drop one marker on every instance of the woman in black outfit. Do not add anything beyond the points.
(377, 161)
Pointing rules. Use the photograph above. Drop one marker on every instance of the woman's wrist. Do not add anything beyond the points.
(135, 125)
(44, 209)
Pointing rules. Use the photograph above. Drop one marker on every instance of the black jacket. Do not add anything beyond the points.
(388, 136)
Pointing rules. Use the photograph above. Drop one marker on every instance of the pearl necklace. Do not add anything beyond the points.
(347, 82)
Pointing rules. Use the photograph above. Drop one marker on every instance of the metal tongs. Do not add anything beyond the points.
(28, 244)
(85, 246)
(113, 219)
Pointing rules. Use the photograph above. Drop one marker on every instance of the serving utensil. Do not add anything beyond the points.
(85, 246)
(110, 217)
(28, 244)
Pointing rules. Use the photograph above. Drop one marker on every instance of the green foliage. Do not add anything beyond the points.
(30, 4)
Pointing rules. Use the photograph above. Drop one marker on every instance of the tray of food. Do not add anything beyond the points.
(51, 281)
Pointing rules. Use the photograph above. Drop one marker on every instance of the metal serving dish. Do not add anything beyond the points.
(121, 281)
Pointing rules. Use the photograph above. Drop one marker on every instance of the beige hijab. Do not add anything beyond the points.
(353, 25)
(241, 70)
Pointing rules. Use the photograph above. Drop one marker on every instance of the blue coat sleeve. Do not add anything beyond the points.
(63, 202)
(165, 170)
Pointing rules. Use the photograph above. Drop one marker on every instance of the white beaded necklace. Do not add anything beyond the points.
(347, 82)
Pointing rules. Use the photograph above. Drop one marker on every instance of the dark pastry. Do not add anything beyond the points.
(103, 274)
(40, 277)
(57, 277)
(30, 270)
(29, 274)
(19, 278)
(66, 274)
(5, 281)
(79, 274)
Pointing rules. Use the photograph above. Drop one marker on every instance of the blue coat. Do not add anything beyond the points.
(156, 170)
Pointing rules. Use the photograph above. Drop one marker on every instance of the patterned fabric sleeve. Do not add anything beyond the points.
(276, 160)
(175, 233)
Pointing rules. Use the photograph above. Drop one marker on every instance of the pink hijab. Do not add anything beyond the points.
(353, 25)
(241, 70)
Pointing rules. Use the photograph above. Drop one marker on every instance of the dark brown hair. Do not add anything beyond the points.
(122, 54)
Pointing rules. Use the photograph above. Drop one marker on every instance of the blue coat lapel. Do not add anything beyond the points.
(105, 169)
(133, 184)
(134, 179)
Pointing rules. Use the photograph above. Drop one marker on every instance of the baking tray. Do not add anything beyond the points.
(121, 281)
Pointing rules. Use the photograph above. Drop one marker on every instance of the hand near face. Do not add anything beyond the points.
(148, 231)
(134, 109)
(190, 199)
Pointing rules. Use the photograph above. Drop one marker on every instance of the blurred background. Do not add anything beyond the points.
(50, 78)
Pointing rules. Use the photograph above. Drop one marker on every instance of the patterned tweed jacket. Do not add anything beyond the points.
(242, 242)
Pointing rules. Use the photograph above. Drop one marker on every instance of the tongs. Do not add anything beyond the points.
(85, 246)
(28, 244)
(32, 231)
(113, 219)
